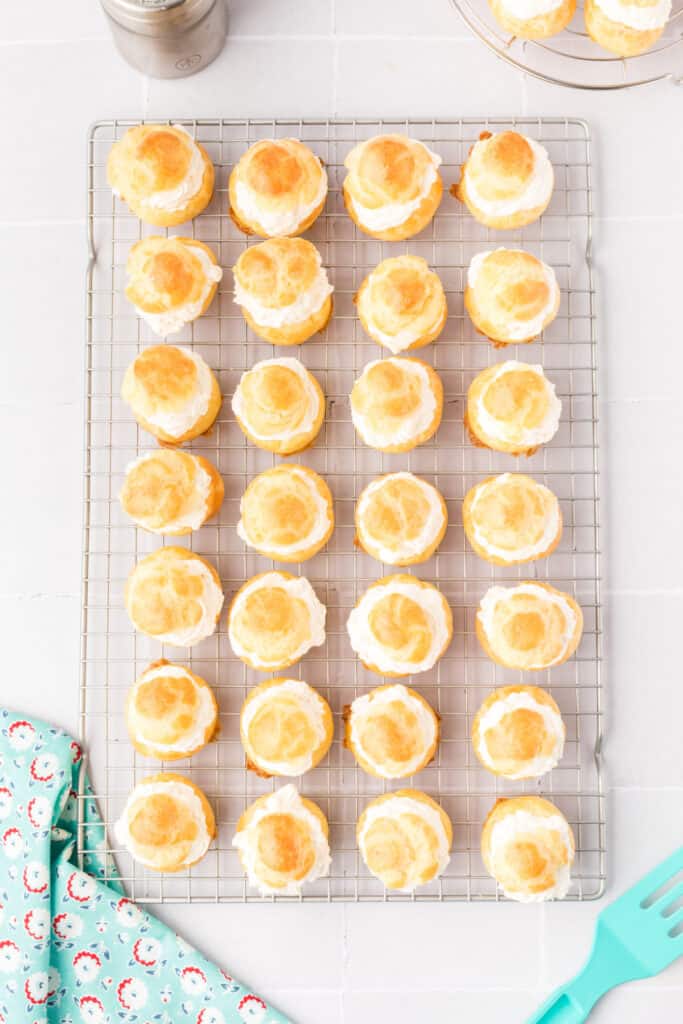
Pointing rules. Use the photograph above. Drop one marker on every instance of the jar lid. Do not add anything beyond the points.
(144, 15)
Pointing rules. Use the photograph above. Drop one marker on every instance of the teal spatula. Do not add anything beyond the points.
(637, 936)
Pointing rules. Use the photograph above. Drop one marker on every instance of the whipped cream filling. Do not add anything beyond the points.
(495, 595)
(394, 809)
(365, 643)
(195, 734)
(317, 532)
(173, 199)
(278, 221)
(176, 422)
(550, 528)
(551, 720)
(211, 603)
(194, 511)
(410, 547)
(298, 587)
(390, 215)
(411, 426)
(285, 800)
(537, 192)
(643, 19)
(533, 436)
(178, 791)
(241, 410)
(173, 320)
(310, 704)
(508, 829)
(304, 306)
(368, 704)
(519, 330)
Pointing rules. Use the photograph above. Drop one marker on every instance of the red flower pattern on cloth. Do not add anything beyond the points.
(74, 949)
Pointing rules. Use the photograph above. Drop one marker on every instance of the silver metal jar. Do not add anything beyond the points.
(168, 38)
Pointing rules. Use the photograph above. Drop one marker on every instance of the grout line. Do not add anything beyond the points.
(275, 37)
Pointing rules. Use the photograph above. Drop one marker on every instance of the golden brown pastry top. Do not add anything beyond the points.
(401, 301)
(286, 727)
(518, 732)
(501, 166)
(512, 517)
(175, 595)
(405, 839)
(387, 169)
(166, 273)
(392, 731)
(510, 290)
(396, 400)
(162, 379)
(286, 509)
(528, 847)
(530, 625)
(276, 272)
(149, 158)
(166, 487)
(278, 184)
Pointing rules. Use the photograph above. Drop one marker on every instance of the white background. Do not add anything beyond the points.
(58, 72)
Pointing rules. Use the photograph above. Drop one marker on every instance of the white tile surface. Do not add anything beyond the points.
(404, 77)
(352, 965)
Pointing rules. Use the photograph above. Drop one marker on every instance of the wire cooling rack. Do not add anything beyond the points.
(572, 59)
(113, 654)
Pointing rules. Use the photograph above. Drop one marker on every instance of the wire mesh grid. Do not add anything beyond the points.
(113, 654)
(572, 59)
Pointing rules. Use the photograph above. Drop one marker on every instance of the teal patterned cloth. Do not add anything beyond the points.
(74, 950)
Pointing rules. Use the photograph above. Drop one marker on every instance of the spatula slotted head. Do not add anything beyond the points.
(648, 918)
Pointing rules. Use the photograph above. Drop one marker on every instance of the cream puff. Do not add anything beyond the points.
(174, 596)
(510, 519)
(278, 187)
(171, 281)
(518, 732)
(397, 404)
(172, 393)
(286, 727)
(529, 626)
(507, 180)
(283, 290)
(171, 713)
(162, 173)
(391, 731)
(402, 304)
(511, 296)
(405, 839)
(282, 842)
(626, 27)
(167, 824)
(533, 19)
(400, 626)
(528, 847)
(286, 514)
(279, 405)
(400, 519)
(170, 492)
(274, 619)
(512, 407)
(393, 187)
